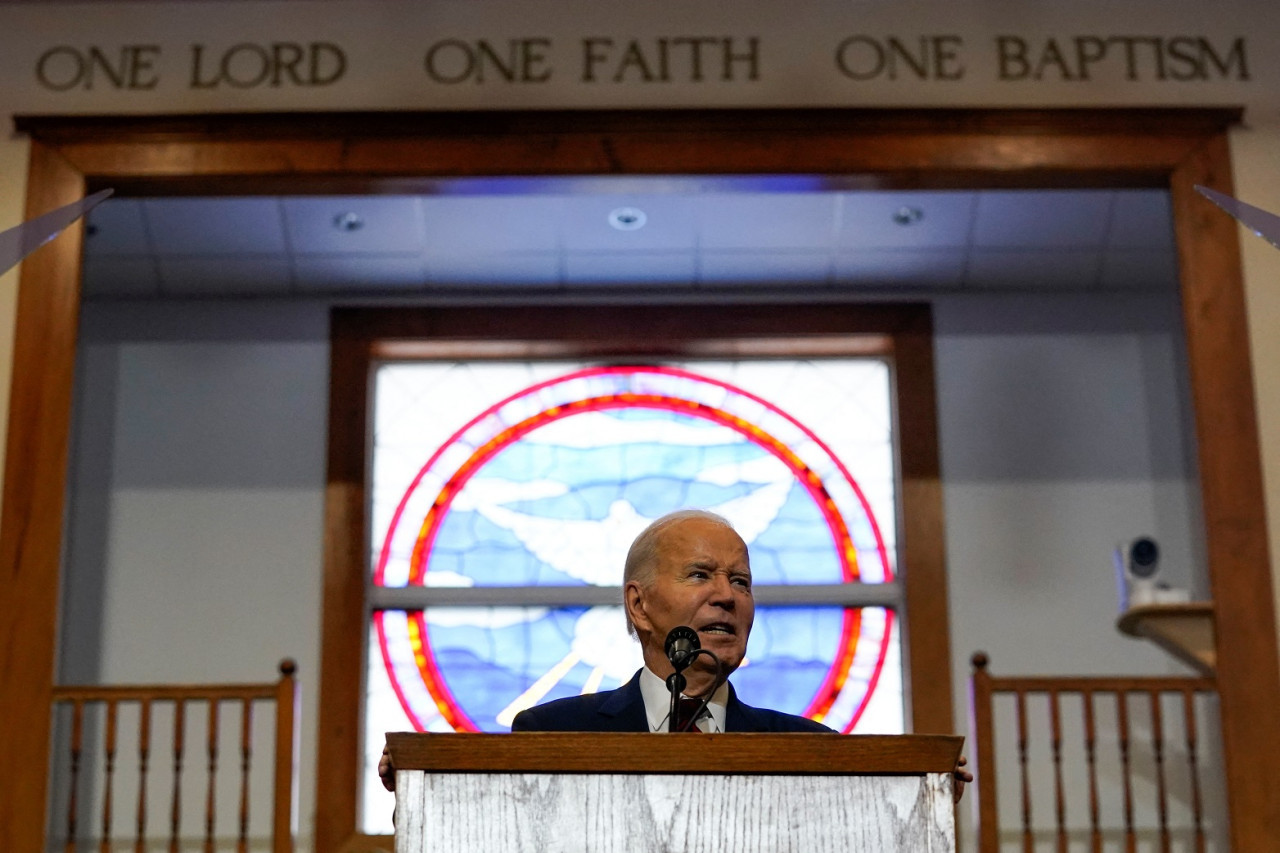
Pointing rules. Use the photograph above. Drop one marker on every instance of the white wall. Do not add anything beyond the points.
(1065, 429)
(194, 546)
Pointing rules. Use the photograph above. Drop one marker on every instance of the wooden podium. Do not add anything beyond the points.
(695, 792)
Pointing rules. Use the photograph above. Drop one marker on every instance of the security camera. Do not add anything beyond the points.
(1137, 565)
(1144, 559)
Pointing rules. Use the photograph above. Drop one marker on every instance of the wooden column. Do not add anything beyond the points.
(34, 488)
(1248, 663)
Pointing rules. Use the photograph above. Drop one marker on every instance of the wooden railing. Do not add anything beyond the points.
(91, 713)
(1165, 707)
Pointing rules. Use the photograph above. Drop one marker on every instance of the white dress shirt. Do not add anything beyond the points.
(657, 704)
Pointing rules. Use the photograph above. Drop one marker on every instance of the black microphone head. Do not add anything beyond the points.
(680, 645)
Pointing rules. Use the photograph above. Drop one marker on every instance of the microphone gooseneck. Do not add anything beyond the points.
(682, 646)
(721, 675)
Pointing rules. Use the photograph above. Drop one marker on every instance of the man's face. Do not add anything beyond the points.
(702, 580)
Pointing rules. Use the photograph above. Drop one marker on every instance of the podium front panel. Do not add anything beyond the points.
(553, 792)
(672, 813)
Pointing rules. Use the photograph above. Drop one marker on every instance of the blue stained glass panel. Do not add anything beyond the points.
(514, 475)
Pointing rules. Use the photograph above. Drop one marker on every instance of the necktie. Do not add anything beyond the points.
(684, 713)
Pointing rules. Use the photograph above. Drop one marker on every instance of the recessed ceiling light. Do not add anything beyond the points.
(348, 221)
(908, 215)
(627, 218)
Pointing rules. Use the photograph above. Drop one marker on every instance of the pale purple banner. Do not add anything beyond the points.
(1265, 225)
(22, 240)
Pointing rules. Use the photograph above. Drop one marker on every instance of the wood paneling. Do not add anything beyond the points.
(877, 148)
(577, 752)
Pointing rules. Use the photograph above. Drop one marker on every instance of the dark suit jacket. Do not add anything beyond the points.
(622, 710)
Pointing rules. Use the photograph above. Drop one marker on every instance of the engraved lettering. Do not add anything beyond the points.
(861, 57)
(130, 67)
(248, 65)
(684, 59)
(1136, 59)
(523, 60)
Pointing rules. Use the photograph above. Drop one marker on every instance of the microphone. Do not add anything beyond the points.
(682, 646)
(682, 642)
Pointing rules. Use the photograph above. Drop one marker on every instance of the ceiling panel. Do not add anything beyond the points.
(225, 276)
(497, 223)
(1040, 268)
(766, 220)
(905, 220)
(633, 232)
(354, 272)
(121, 276)
(1128, 269)
(215, 226)
(1141, 219)
(354, 224)
(668, 223)
(630, 267)
(119, 228)
(503, 269)
(942, 269)
(751, 267)
(1027, 218)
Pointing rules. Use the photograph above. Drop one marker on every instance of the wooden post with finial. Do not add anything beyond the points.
(984, 771)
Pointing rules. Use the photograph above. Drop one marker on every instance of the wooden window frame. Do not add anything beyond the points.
(903, 334)
(1173, 148)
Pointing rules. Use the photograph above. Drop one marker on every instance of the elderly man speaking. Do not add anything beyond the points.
(687, 569)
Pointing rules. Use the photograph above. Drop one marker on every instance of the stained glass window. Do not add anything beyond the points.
(504, 496)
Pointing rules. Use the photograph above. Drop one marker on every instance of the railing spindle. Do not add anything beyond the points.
(210, 794)
(1189, 713)
(109, 772)
(144, 759)
(1157, 745)
(1091, 761)
(77, 744)
(1095, 718)
(1028, 840)
(1055, 746)
(175, 813)
(1122, 720)
(246, 751)
(117, 702)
